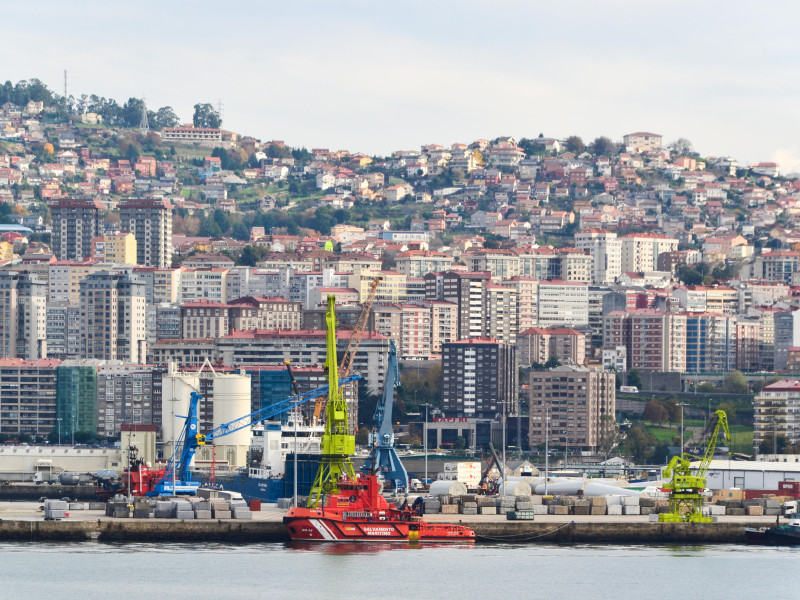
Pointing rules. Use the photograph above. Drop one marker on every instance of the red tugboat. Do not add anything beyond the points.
(358, 512)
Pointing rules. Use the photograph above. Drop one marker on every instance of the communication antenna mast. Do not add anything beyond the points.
(65, 87)
(144, 125)
(219, 109)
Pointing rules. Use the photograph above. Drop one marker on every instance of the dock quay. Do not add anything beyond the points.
(24, 522)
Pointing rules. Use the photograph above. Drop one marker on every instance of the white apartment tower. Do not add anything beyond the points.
(606, 250)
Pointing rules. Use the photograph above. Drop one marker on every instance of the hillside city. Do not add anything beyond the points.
(524, 280)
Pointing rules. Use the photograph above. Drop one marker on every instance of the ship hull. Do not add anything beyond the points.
(314, 527)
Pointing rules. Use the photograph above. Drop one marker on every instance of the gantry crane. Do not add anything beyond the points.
(338, 444)
(686, 488)
(383, 457)
(352, 345)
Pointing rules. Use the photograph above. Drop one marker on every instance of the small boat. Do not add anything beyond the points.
(780, 535)
(358, 512)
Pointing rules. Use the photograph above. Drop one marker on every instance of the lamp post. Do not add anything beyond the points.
(172, 402)
(546, 446)
(425, 441)
(681, 404)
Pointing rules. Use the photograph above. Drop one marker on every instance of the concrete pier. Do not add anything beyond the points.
(23, 522)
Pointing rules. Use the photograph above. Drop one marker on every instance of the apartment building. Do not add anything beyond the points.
(204, 319)
(113, 318)
(710, 343)
(254, 312)
(118, 248)
(479, 378)
(63, 330)
(203, 284)
(125, 395)
(567, 406)
(76, 223)
(606, 251)
(150, 221)
(418, 263)
(777, 413)
(538, 344)
(28, 396)
(527, 289)
(23, 316)
(640, 251)
(502, 264)
(444, 325)
(654, 340)
(468, 291)
(501, 310)
(563, 304)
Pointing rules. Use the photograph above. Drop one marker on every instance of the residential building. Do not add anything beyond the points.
(150, 220)
(710, 343)
(23, 308)
(539, 344)
(569, 406)
(125, 395)
(468, 291)
(501, 310)
(642, 141)
(28, 396)
(76, 397)
(203, 284)
(63, 330)
(444, 325)
(654, 340)
(418, 263)
(118, 248)
(606, 251)
(75, 224)
(113, 318)
(204, 319)
(527, 289)
(479, 378)
(777, 414)
(640, 251)
(563, 304)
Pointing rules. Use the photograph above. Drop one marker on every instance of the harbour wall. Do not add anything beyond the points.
(242, 532)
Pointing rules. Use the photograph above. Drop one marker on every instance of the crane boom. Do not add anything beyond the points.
(190, 440)
(353, 344)
(338, 444)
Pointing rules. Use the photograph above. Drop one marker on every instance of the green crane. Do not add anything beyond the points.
(686, 488)
(338, 445)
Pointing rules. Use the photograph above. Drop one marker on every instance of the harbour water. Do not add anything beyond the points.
(93, 571)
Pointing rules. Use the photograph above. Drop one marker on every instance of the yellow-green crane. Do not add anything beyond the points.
(338, 445)
(686, 488)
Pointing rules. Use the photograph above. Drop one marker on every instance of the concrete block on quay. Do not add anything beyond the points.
(734, 512)
(523, 506)
(599, 510)
(539, 509)
(202, 514)
(469, 511)
(755, 511)
(242, 515)
(630, 500)
(222, 514)
(598, 501)
(488, 510)
(77, 506)
(184, 515)
(614, 509)
(581, 510)
(772, 511)
(635, 510)
(452, 509)
(141, 513)
(560, 509)
(536, 500)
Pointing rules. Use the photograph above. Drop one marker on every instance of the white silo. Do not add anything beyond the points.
(232, 401)
(176, 387)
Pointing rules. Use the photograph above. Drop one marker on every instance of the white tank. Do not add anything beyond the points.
(517, 488)
(232, 401)
(175, 391)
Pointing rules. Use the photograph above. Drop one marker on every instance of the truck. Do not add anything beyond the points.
(629, 389)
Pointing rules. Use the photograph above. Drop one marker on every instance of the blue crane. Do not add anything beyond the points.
(383, 457)
(186, 446)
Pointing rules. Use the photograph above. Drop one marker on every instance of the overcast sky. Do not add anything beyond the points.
(376, 76)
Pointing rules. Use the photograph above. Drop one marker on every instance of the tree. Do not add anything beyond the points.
(729, 409)
(639, 444)
(655, 412)
(634, 378)
(166, 117)
(575, 144)
(362, 437)
(607, 436)
(131, 114)
(689, 276)
(735, 383)
(673, 410)
(251, 255)
(681, 146)
(602, 146)
(206, 116)
(552, 362)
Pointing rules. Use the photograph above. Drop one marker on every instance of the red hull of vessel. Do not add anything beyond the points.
(358, 513)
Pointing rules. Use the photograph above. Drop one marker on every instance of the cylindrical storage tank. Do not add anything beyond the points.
(516, 488)
(442, 487)
(175, 391)
(232, 401)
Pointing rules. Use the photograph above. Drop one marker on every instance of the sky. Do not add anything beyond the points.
(376, 76)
